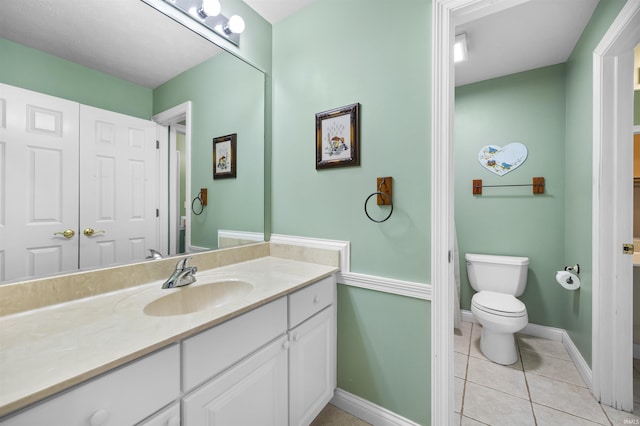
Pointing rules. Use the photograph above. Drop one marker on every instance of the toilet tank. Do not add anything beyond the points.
(502, 274)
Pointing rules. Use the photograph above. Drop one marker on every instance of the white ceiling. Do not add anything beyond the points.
(529, 35)
(276, 10)
(131, 40)
(125, 38)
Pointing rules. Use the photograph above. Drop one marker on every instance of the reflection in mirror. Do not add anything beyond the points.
(87, 75)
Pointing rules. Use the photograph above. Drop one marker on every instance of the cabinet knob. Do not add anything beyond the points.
(173, 421)
(316, 299)
(99, 418)
(286, 345)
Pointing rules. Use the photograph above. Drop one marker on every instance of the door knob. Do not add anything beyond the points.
(67, 233)
(90, 232)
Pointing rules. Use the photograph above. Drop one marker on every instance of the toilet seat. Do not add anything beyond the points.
(504, 305)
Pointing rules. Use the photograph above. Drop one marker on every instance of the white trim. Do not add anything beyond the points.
(444, 12)
(555, 334)
(612, 345)
(170, 117)
(386, 285)
(370, 282)
(342, 246)
(368, 411)
(240, 235)
(578, 360)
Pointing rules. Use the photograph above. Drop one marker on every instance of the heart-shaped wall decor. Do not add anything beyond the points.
(502, 160)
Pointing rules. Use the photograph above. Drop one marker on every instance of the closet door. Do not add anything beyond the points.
(38, 184)
(118, 187)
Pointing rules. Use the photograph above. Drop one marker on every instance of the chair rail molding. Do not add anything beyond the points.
(346, 277)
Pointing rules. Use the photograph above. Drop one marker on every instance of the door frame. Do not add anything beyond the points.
(171, 117)
(612, 288)
(605, 322)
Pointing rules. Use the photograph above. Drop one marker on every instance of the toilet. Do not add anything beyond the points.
(498, 280)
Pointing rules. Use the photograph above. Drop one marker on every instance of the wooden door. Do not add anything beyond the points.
(38, 184)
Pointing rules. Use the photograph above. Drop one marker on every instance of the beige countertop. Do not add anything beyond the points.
(46, 350)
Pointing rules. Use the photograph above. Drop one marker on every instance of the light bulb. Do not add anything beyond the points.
(209, 8)
(236, 24)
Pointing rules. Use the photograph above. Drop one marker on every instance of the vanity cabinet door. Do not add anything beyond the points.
(252, 392)
(124, 396)
(167, 417)
(312, 366)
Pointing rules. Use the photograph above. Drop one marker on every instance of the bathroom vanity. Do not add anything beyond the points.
(266, 356)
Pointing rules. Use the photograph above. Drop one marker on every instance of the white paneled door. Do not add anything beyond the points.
(66, 168)
(118, 187)
(38, 184)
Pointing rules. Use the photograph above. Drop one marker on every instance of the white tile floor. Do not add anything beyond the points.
(542, 388)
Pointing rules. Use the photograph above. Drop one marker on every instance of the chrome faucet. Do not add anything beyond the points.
(183, 275)
(154, 254)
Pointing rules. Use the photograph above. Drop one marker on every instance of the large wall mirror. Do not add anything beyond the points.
(126, 62)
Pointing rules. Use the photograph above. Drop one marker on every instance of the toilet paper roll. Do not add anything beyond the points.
(568, 280)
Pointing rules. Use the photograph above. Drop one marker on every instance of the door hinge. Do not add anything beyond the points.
(449, 256)
(157, 212)
(157, 144)
(627, 249)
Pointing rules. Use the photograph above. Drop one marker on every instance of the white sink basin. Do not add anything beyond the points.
(198, 297)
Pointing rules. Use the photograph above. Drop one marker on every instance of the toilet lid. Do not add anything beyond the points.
(499, 304)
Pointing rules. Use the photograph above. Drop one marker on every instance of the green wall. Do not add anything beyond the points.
(382, 349)
(35, 70)
(329, 55)
(528, 108)
(578, 165)
(227, 97)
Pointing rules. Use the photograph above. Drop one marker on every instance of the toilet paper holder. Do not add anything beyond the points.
(575, 269)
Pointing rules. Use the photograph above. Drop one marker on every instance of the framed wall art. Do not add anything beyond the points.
(224, 156)
(338, 137)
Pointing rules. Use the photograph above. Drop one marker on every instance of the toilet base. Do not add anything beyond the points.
(498, 347)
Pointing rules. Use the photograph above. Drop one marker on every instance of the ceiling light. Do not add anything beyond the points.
(460, 48)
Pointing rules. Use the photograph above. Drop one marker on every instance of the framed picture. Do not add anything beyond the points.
(338, 137)
(224, 157)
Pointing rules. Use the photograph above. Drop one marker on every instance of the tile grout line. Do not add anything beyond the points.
(466, 373)
(526, 382)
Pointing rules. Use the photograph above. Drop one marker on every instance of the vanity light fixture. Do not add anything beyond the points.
(209, 8)
(207, 13)
(235, 25)
(460, 48)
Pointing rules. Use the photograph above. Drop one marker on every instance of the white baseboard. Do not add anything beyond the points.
(578, 360)
(368, 411)
(555, 334)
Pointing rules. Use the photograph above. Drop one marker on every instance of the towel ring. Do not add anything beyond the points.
(382, 194)
(198, 213)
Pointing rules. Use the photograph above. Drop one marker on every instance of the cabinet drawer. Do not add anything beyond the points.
(306, 302)
(216, 349)
(122, 397)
